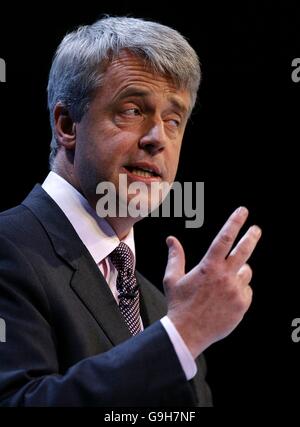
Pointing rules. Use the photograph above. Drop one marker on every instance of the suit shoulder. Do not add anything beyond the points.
(12, 216)
(18, 222)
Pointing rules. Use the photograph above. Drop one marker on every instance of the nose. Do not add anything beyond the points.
(154, 139)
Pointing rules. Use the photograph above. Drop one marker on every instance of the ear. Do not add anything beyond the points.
(64, 126)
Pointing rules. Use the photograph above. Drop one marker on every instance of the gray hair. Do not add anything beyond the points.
(83, 55)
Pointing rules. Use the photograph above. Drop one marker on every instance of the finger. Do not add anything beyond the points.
(176, 262)
(245, 274)
(243, 250)
(224, 240)
(248, 293)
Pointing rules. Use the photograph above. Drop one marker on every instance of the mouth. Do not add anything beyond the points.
(144, 170)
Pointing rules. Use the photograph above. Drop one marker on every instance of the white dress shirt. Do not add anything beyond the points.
(100, 240)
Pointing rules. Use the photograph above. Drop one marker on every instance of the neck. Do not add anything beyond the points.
(121, 226)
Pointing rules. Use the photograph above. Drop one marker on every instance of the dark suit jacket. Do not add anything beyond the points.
(66, 340)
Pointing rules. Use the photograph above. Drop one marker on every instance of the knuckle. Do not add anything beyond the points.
(249, 291)
(236, 222)
(226, 238)
(244, 299)
(239, 302)
(222, 280)
(167, 280)
(248, 268)
(246, 273)
(231, 288)
(225, 279)
(206, 267)
(250, 273)
(232, 292)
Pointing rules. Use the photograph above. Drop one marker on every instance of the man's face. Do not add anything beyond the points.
(134, 126)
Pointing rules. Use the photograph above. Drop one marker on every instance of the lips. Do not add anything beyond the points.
(144, 169)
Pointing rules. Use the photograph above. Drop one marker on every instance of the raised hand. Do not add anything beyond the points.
(208, 302)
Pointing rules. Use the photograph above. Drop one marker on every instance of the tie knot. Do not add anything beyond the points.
(122, 259)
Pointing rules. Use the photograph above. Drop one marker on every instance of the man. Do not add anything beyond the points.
(82, 329)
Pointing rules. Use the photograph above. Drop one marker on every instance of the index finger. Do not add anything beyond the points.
(222, 243)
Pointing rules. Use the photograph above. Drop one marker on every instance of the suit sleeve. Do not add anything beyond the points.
(143, 371)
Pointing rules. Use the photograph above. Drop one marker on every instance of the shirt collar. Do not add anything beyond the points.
(97, 235)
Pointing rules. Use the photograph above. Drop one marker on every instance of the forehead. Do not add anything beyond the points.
(129, 71)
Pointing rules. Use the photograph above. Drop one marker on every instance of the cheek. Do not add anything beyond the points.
(173, 160)
(95, 144)
(120, 144)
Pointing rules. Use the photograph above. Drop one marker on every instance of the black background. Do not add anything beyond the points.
(242, 142)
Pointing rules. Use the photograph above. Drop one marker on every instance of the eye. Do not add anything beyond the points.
(134, 111)
(174, 122)
(129, 114)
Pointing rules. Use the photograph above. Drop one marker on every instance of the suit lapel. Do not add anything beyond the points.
(87, 281)
(91, 287)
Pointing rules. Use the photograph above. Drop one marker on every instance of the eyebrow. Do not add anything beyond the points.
(144, 93)
(134, 91)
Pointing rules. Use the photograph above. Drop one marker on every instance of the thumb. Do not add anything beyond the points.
(176, 262)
